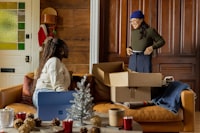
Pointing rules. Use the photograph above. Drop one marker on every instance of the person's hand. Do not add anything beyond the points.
(148, 50)
(129, 51)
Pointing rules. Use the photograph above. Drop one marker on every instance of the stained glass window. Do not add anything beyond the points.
(12, 26)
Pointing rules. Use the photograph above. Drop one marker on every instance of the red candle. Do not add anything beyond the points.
(67, 125)
(128, 122)
(21, 115)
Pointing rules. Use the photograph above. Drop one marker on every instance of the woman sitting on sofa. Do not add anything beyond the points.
(52, 74)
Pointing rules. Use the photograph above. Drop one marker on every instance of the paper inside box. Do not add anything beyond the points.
(130, 94)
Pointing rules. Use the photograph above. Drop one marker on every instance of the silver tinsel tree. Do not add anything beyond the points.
(82, 107)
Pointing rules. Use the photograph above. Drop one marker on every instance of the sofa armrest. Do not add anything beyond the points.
(188, 105)
(10, 95)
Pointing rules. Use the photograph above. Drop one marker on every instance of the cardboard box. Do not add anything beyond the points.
(135, 79)
(128, 94)
(129, 86)
(126, 86)
(101, 70)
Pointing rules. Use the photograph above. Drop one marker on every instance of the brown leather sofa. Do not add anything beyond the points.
(152, 118)
(157, 119)
(11, 97)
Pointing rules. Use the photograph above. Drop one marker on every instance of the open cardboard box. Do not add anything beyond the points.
(126, 85)
(115, 74)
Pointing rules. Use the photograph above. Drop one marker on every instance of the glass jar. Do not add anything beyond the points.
(6, 117)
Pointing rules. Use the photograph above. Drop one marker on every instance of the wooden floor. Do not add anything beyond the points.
(197, 123)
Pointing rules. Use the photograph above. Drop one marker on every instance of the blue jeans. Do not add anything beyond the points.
(140, 63)
(35, 95)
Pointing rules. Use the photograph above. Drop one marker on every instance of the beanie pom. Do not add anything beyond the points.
(137, 14)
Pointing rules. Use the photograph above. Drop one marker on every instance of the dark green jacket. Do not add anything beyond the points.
(152, 39)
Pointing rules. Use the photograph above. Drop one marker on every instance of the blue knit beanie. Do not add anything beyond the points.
(137, 14)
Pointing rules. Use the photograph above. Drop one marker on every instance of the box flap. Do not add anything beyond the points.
(119, 79)
(145, 79)
(101, 70)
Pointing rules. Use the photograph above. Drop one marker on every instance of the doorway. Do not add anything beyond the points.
(16, 42)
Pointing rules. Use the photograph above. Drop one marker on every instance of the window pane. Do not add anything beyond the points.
(12, 25)
(21, 16)
(8, 46)
(21, 25)
(8, 5)
(8, 26)
(22, 5)
(21, 36)
(21, 46)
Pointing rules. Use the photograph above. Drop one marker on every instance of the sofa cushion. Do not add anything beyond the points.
(101, 92)
(20, 107)
(27, 89)
(145, 114)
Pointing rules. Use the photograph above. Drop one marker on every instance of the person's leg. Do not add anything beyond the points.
(147, 66)
(132, 62)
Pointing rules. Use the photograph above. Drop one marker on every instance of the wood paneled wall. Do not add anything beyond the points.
(73, 26)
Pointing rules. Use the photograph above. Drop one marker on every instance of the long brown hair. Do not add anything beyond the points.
(53, 48)
(143, 31)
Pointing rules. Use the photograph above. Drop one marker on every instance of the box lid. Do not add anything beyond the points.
(101, 70)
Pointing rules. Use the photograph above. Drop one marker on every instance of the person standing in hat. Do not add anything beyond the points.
(144, 39)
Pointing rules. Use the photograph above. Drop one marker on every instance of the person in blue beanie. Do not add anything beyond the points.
(144, 39)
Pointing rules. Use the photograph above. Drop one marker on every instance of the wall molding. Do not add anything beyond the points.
(35, 27)
(94, 32)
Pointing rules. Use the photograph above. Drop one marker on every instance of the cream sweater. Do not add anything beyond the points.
(54, 76)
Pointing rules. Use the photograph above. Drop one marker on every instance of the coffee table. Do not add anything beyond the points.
(105, 128)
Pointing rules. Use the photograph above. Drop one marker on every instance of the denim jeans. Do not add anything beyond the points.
(140, 63)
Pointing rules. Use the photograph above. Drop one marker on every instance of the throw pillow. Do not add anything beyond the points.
(27, 89)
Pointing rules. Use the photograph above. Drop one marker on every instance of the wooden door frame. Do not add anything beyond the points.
(94, 32)
(35, 27)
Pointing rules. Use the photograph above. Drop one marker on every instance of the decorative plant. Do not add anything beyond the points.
(82, 107)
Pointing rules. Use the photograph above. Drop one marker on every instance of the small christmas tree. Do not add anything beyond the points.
(82, 107)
